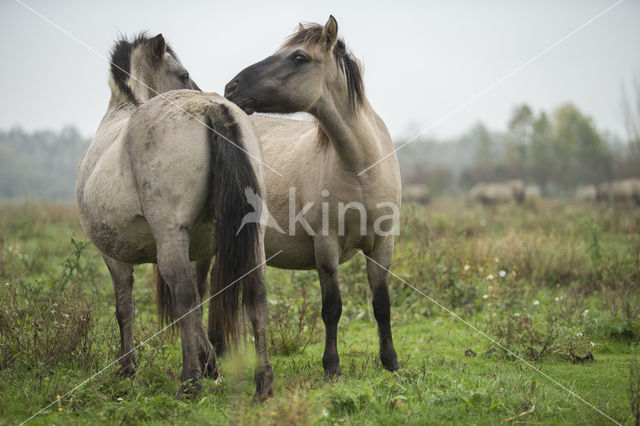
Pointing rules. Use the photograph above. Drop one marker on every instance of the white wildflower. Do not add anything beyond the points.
(557, 299)
(536, 303)
(467, 267)
(502, 274)
(579, 334)
(496, 259)
(584, 314)
(120, 399)
(65, 315)
(490, 276)
(485, 296)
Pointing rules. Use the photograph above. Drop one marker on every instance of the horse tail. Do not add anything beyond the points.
(163, 299)
(238, 249)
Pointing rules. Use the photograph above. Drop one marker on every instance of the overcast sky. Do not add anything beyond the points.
(422, 59)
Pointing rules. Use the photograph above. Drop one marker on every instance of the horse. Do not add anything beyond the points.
(417, 193)
(321, 166)
(162, 182)
(490, 193)
(586, 193)
(622, 191)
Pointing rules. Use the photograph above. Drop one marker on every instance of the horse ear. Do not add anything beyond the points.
(330, 32)
(158, 46)
(300, 27)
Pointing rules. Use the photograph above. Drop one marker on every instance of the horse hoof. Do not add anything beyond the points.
(209, 364)
(390, 360)
(264, 385)
(127, 370)
(189, 389)
(259, 398)
(332, 373)
(211, 371)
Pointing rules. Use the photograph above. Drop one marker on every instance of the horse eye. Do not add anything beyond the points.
(184, 77)
(301, 58)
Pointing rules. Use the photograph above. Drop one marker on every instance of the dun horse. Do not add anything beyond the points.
(321, 165)
(163, 183)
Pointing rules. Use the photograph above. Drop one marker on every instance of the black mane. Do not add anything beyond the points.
(121, 61)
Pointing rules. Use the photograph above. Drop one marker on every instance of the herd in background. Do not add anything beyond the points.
(516, 191)
(616, 191)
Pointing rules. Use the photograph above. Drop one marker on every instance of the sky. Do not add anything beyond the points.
(436, 67)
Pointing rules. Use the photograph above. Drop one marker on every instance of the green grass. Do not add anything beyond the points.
(571, 287)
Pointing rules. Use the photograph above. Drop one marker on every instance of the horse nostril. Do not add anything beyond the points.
(230, 87)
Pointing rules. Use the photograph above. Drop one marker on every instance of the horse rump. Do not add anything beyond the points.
(237, 246)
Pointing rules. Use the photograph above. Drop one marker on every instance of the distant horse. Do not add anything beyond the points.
(321, 164)
(532, 194)
(586, 193)
(489, 193)
(160, 184)
(417, 192)
(620, 191)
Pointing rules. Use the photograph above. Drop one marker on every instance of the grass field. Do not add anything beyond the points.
(557, 283)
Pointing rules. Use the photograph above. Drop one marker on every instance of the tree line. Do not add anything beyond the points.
(556, 151)
(41, 165)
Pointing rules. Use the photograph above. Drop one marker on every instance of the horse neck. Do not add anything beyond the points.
(141, 92)
(119, 101)
(118, 113)
(359, 137)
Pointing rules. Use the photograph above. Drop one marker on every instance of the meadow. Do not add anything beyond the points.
(546, 328)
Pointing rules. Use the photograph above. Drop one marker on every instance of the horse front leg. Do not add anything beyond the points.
(378, 261)
(255, 302)
(176, 270)
(122, 278)
(326, 253)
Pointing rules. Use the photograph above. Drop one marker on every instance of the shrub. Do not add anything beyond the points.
(293, 318)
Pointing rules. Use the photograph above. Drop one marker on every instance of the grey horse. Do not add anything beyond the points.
(342, 166)
(163, 182)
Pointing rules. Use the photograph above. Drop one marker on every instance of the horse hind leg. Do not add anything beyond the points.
(202, 268)
(255, 302)
(177, 271)
(378, 262)
(214, 330)
(202, 272)
(122, 278)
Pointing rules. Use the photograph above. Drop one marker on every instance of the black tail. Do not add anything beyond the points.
(163, 299)
(237, 253)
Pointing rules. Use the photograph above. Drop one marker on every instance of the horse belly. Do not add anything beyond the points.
(130, 240)
(289, 251)
(111, 215)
